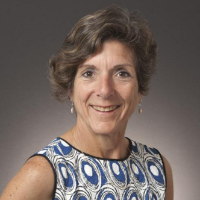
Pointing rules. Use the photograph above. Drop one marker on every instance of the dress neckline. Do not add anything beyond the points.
(99, 158)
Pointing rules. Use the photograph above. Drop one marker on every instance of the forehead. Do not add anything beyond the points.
(114, 52)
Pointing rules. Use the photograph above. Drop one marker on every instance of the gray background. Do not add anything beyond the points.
(31, 31)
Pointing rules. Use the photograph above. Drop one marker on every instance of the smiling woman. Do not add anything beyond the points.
(105, 94)
(104, 67)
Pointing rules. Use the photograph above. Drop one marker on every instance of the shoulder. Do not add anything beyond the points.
(144, 151)
(34, 181)
(150, 155)
(169, 177)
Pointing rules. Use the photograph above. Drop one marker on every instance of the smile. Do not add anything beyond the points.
(105, 109)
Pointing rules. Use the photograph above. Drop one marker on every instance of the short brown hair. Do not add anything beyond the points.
(86, 39)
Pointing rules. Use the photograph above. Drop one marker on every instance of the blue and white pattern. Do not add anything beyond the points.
(83, 177)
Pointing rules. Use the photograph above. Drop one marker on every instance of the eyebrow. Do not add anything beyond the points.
(115, 66)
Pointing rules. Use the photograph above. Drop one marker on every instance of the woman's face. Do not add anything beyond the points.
(105, 91)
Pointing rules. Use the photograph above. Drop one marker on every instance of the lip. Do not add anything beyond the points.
(105, 109)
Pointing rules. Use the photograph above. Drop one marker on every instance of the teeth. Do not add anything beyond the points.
(104, 109)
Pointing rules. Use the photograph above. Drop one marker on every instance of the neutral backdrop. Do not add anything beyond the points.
(31, 31)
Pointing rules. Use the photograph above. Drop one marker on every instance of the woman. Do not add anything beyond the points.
(104, 67)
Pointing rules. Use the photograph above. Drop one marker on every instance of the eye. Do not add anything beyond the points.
(123, 74)
(88, 74)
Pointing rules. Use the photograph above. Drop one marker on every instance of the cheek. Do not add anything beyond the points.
(129, 93)
(133, 102)
(131, 99)
(81, 93)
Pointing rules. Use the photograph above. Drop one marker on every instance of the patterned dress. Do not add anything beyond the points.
(79, 176)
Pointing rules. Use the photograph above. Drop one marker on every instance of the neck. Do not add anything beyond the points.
(110, 146)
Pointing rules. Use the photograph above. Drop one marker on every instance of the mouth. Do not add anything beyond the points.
(105, 109)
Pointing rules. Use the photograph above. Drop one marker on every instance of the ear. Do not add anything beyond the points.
(70, 95)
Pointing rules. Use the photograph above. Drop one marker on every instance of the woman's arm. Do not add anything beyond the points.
(170, 189)
(34, 181)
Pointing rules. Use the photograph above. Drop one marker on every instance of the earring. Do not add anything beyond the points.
(72, 108)
(140, 109)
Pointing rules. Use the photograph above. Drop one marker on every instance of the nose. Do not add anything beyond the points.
(105, 87)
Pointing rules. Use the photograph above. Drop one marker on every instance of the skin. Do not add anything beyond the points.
(34, 181)
(170, 185)
(106, 80)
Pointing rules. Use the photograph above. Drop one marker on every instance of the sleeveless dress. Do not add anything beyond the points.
(79, 176)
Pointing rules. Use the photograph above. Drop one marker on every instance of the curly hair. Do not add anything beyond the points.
(86, 39)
